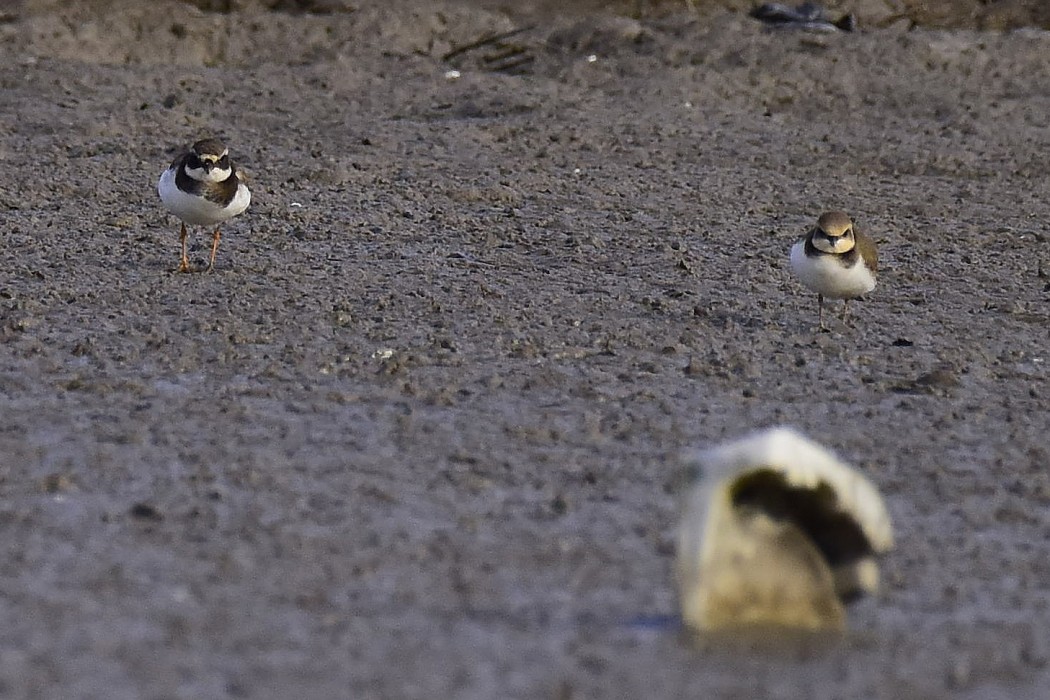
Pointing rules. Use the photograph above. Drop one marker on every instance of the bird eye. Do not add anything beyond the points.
(224, 162)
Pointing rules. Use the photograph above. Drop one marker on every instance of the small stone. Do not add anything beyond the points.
(57, 483)
(938, 379)
(145, 511)
(960, 673)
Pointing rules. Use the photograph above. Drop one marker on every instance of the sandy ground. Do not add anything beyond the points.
(419, 433)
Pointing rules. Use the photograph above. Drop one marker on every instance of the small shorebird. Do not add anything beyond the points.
(201, 187)
(836, 260)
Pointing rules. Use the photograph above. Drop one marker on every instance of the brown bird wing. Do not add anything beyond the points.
(867, 249)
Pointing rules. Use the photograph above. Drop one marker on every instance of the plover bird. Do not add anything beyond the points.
(836, 260)
(202, 188)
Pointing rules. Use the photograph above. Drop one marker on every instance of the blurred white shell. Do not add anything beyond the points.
(777, 531)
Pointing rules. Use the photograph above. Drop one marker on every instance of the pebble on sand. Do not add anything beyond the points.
(777, 532)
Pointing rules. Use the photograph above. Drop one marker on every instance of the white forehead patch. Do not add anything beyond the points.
(216, 175)
(838, 245)
(214, 158)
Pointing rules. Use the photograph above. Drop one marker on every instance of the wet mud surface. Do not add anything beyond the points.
(419, 433)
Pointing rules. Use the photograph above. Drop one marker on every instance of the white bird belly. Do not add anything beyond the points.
(826, 275)
(196, 210)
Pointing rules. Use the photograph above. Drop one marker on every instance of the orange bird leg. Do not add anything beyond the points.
(214, 249)
(184, 264)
